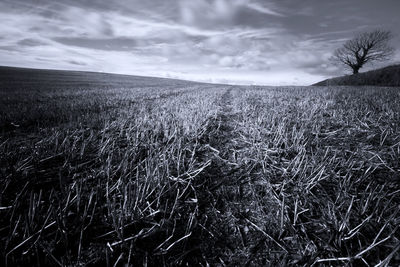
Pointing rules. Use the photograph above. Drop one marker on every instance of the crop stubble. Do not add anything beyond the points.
(200, 174)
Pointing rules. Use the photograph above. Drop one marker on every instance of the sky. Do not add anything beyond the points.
(265, 42)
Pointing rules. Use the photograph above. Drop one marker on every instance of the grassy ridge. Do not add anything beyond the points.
(12, 78)
(388, 76)
(200, 174)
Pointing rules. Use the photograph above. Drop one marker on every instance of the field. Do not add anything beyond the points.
(98, 169)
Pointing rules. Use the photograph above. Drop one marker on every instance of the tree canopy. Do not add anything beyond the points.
(364, 48)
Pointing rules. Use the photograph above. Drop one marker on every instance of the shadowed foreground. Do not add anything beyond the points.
(170, 172)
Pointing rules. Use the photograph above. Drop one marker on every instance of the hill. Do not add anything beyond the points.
(388, 76)
(12, 78)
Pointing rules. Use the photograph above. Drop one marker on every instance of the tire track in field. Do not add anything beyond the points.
(231, 209)
(222, 199)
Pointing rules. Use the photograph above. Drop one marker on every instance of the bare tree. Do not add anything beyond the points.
(364, 48)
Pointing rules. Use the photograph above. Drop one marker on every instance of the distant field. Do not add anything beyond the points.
(97, 169)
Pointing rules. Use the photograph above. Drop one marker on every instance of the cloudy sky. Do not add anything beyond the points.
(274, 42)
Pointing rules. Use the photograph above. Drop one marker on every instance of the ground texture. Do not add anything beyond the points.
(170, 173)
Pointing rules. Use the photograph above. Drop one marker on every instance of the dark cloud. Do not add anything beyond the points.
(30, 42)
(76, 62)
(116, 44)
(9, 48)
(44, 59)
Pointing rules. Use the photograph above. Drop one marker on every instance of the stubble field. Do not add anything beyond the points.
(113, 170)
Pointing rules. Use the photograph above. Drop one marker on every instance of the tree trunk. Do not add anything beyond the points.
(355, 70)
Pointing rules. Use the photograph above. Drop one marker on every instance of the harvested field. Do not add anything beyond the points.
(161, 172)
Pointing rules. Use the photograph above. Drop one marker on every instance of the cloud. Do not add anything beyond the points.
(263, 9)
(225, 14)
(76, 62)
(118, 44)
(31, 42)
